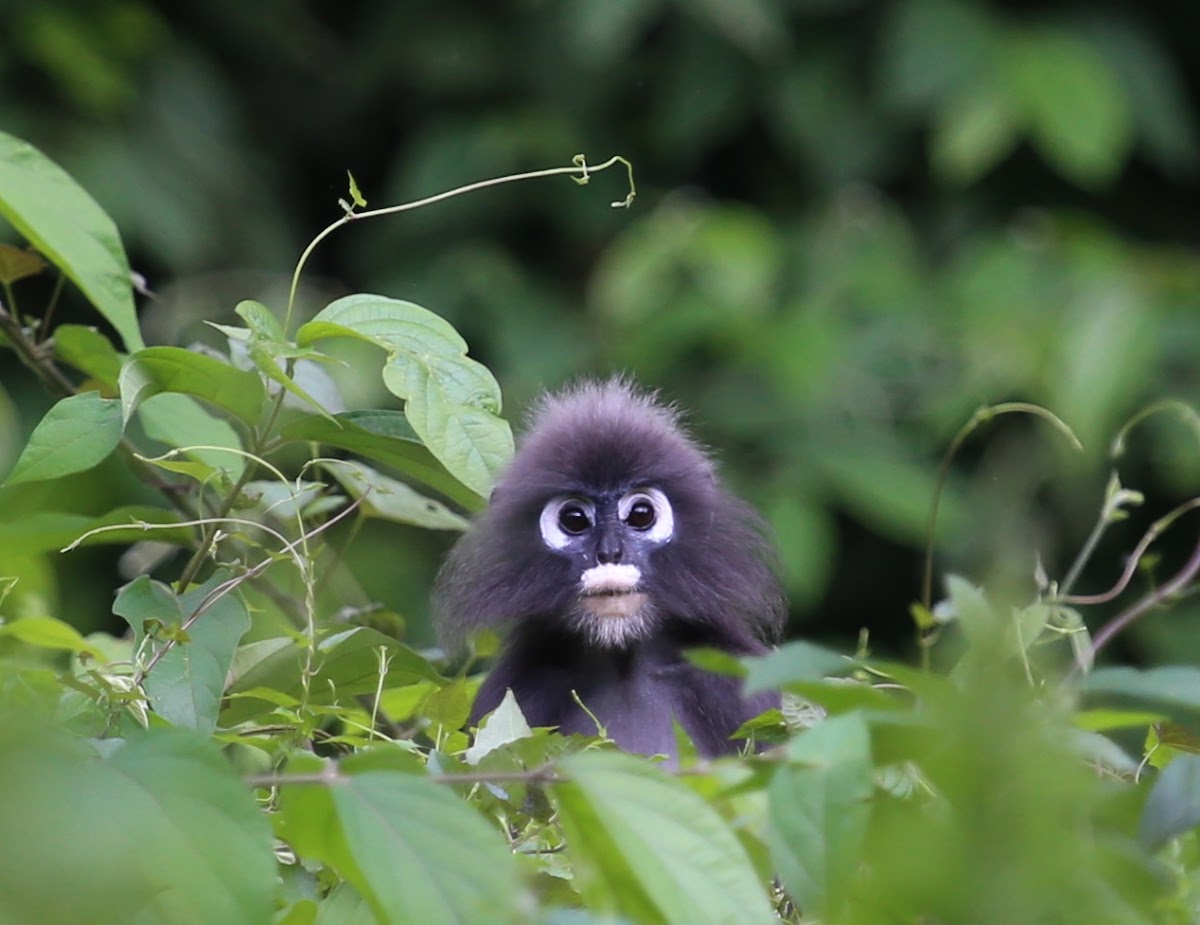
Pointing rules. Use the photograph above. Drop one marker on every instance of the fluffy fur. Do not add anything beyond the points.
(712, 584)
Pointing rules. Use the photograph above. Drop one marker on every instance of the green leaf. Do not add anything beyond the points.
(355, 193)
(451, 400)
(44, 531)
(819, 811)
(348, 664)
(162, 831)
(385, 437)
(415, 851)
(186, 684)
(1173, 806)
(261, 321)
(648, 848)
(58, 217)
(932, 48)
(503, 725)
(1078, 114)
(173, 369)
(389, 499)
(1173, 691)
(266, 359)
(185, 687)
(76, 434)
(49, 633)
(472, 443)
(972, 133)
(88, 351)
(181, 422)
(793, 661)
(215, 844)
(17, 263)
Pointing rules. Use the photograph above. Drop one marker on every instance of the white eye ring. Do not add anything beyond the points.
(553, 534)
(663, 527)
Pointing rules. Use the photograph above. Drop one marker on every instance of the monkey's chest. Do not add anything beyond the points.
(637, 713)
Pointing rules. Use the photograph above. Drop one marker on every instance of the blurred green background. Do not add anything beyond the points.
(857, 222)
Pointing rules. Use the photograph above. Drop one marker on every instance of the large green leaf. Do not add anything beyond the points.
(820, 810)
(1173, 806)
(173, 369)
(186, 684)
(58, 217)
(161, 831)
(646, 847)
(384, 437)
(452, 401)
(413, 849)
(1172, 691)
(76, 434)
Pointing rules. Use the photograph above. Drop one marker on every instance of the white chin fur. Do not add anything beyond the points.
(610, 577)
(610, 610)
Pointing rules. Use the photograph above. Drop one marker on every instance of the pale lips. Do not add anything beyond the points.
(610, 590)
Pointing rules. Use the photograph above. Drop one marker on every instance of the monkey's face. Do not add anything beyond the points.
(609, 540)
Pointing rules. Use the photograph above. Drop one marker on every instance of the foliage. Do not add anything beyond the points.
(249, 752)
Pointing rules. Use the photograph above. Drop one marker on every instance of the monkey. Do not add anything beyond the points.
(610, 547)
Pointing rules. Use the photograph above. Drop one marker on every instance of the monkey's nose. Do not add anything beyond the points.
(609, 552)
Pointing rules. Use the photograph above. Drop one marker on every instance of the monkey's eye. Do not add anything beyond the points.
(641, 514)
(564, 518)
(648, 511)
(573, 519)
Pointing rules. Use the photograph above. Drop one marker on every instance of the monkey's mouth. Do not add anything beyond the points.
(610, 591)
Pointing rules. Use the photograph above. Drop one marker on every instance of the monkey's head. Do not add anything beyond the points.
(611, 520)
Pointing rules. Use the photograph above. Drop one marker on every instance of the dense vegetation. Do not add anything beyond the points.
(894, 258)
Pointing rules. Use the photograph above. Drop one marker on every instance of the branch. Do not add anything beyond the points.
(1173, 587)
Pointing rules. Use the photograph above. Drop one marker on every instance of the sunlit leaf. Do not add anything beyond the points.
(451, 400)
(503, 725)
(58, 217)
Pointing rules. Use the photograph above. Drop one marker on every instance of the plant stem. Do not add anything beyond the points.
(1173, 587)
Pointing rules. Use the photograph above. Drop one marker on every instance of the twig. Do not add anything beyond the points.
(226, 586)
(1175, 586)
(1135, 557)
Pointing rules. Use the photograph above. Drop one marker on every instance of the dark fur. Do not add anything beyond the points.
(712, 584)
